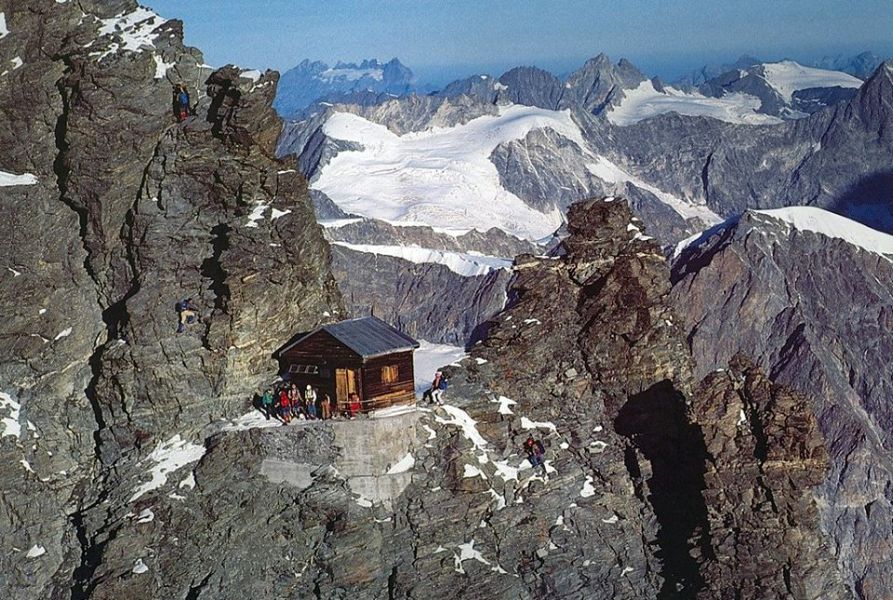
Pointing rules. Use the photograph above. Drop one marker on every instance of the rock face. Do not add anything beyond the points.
(139, 213)
(778, 293)
(764, 456)
(128, 471)
(425, 300)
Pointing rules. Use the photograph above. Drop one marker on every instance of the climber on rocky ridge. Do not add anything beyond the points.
(536, 453)
(187, 314)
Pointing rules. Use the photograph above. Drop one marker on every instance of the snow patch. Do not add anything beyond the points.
(439, 176)
(168, 456)
(467, 264)
(504, 405)
(161, 67)
(429, 358)
(10, 179)
(467, 552)
(35, 550)
(10, 423)
(252, 420)
(588, 489)
(528, 424)
(472, 471)
(645, 102)
(403, 465)
(257, 213)
(462, 420)
(63, 334)
(146, 516)
(139, 567)
(133, 31)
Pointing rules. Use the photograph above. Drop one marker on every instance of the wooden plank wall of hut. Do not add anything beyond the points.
(378, 394)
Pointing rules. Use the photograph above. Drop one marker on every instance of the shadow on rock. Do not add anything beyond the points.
(655, 423)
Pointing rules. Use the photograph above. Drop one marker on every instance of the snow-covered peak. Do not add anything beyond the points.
(828, 224)
(787, 77)
(350, 74)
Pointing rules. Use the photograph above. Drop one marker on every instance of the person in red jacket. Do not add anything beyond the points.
(284, 405)
(536, 453)
(355, 406)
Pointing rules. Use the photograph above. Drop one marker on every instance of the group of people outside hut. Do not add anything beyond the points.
(286, 403)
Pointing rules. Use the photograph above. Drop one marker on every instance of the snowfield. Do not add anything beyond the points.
(645, 102)
(468, 264)
(823, 222)
(429, 357)
(787, 77)
(441, 177)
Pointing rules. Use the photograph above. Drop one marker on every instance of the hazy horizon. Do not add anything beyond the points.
(443, 41)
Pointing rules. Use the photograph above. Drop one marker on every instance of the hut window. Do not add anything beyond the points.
(390, 374)
(304, 369)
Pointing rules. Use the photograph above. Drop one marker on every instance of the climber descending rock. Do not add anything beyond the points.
(187, 314)
(536, 453)
(181, 102)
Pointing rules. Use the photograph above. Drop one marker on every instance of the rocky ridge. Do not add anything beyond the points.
(141, 213)
(138, 478)
(777, 292)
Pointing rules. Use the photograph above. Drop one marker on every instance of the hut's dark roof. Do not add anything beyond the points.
(367, 336)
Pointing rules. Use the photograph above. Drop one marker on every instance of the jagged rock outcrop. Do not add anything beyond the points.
(141, 213)
(815, 313)
(765, 454)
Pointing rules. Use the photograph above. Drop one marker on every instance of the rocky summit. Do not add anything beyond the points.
(135, 465)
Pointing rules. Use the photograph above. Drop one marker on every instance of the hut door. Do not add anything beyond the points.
(345, 383)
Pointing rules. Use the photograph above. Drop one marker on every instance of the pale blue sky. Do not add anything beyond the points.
(443, 38)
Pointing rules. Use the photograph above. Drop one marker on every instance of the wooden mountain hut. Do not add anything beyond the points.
(365, 355)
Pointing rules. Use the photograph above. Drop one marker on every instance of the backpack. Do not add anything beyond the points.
(443, 384)
(179, 306)
(183, 98)
(541, 449)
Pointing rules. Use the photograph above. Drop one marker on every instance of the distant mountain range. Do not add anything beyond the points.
(311, 82)
(372, 82)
